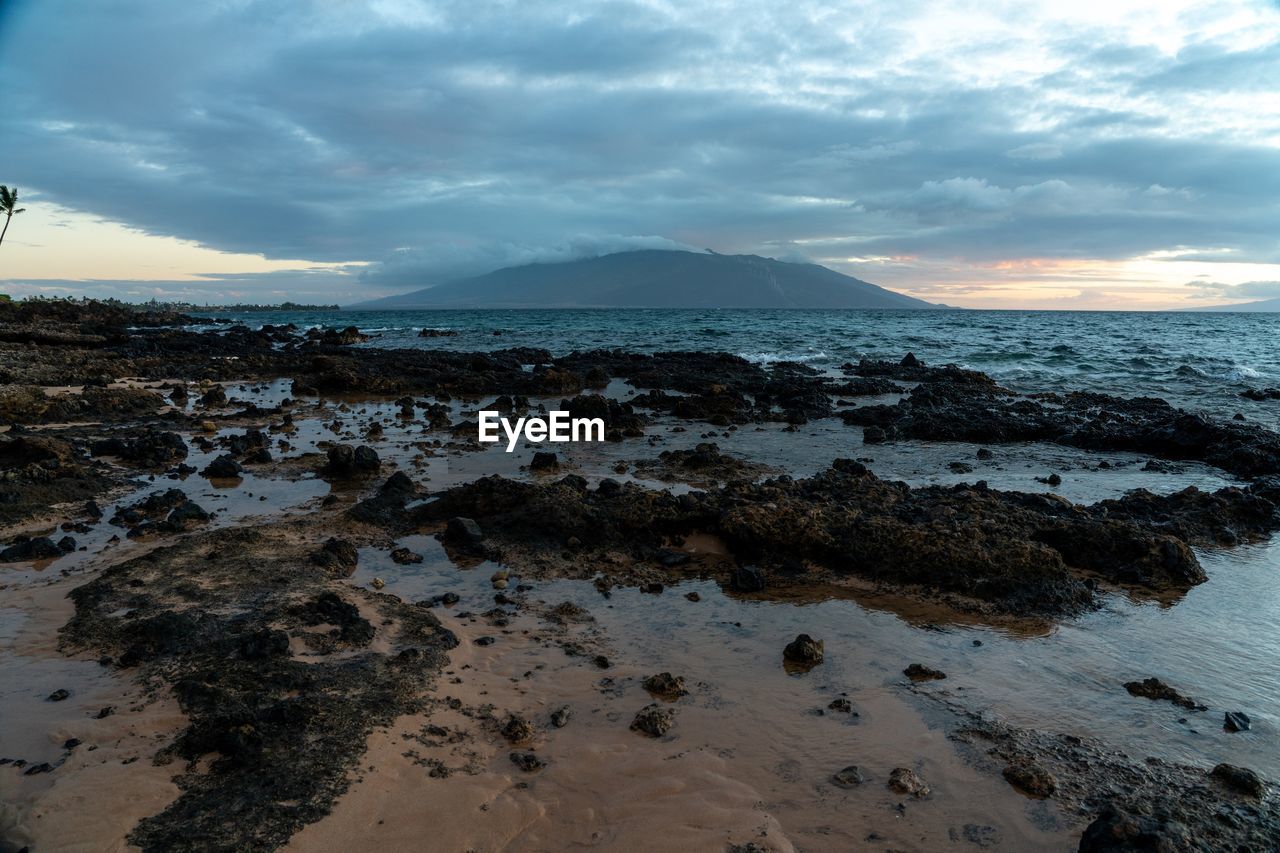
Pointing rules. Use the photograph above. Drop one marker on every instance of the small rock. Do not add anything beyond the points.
(664, 685)
(804, 651)
(527, 761)
(340, 555)
(1239, 779)
(59, 695)
(544, 461)
(366, 459)
(463, 532)
(35, 548)
(517, 730)
(1236, 721)
(920, 672)
(560, 717)
(377, 583)
(405, 557)
(1154, 688)
(849, 777)
(653, 720)
(748, 579)
(1031, 778)
(905, 781)
(214, 397)
(222, 468)
(843, 706)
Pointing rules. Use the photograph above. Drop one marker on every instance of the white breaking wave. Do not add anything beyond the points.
(771, 357)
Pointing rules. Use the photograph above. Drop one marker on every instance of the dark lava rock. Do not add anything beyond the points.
(438, 333)
(1154, 688)
(748, 579)
(849, 777)
(517, 730)
(338, 555)
(342, 461)
(405, 557)
(544, 461)
(842, 705)
(387, 507)
(1236, 721)
(560, 717)
(1031, 778)
(653, 720)
(224, 467)
(33, 548)
(463, 532)
(920, 672)
(152, 449)
(1117, 830)
(527, 761)
(1240, 779)
(664, 685)
(264, 644)
(803, 651)
(329, 608)
(251, 441)
(905, 781)
(261, 456)
(910, 360)
(215, 397)
(333, 337)
(59, 695)
(956, 405)
(366, 459)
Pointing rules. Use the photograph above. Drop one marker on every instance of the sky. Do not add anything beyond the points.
(1083, 155)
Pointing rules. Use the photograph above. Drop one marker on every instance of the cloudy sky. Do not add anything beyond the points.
(987, 154)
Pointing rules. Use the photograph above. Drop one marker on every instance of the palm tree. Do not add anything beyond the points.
(8, 206)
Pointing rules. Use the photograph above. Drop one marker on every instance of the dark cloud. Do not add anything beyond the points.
(438, 138)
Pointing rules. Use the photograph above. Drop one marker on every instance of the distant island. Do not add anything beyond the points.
(653, 278)
(1260, 306)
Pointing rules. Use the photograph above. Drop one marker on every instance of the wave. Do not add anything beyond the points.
(771, 357)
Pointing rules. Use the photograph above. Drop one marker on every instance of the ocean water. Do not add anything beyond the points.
(1199, 361)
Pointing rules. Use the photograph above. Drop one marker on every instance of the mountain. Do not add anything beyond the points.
(1262, 305)
(655, 278)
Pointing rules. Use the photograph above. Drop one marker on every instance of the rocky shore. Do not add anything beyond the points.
(286, 661)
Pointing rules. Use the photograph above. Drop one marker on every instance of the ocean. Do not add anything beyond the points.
(1198, 361)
